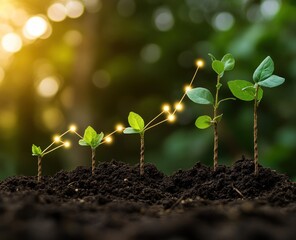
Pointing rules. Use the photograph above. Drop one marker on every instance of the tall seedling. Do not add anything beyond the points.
(248, 91)
(204, 96)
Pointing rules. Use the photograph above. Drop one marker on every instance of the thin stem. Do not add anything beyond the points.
(93, 160)
(256, 131)
(77, 134)
(147, 125)
(53, 149)
(225, 99)
(156, 124)
(48, 147)
(216, 139)
(110, 134)
(39, 173)
(142, 155)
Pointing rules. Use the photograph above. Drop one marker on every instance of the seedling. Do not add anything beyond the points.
(248, 91)
(204, 96)
(93, 139)
(37, 151)
(137, 123)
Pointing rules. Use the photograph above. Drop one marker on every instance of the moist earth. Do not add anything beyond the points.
(117, 203)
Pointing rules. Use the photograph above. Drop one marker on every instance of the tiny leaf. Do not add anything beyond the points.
(264, 70)
(136, 121)
(200, 96)
(244, 90)
(272, 81)
(203, 122)
(218, 67)
(130, 130)
(91, 138)
(212, 57)
(228, 61)
(82, 143)
(36, 151)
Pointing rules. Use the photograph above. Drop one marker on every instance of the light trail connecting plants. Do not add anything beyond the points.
(137, 123)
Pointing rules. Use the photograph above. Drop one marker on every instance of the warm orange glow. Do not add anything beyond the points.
(56, 139)
(57, 12)
(108, 139)
(48, 87)
(171, 118)
(166, 108)
(35, 27)
(179, 107)
(199, 63)
(67, 144)
(72, 128)
(74, 9)
(187, 88)
(119, 128)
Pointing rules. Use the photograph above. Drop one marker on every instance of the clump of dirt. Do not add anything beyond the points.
(117, 203)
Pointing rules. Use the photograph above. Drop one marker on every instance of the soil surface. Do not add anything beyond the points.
(116, 203)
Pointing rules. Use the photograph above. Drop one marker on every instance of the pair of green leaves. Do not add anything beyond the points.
(204, 96)
(137, 124)
(91, 138)
(262, 77)
(36, 151)
(225, 64)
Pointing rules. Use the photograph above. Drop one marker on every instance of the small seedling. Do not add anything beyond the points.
(204, 96)
(137, 123)
(248, 91)
(37, 151)
(93, 139)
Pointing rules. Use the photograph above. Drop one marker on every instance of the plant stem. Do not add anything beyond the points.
(39, 169)
(216, 139)
(142, 155)
(93, 161)
(256, 131)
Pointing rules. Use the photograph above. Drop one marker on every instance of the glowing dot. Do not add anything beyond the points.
(11, 42)
(74, 9)
(179, 107)
(48, 87)
(108, 139)
(57, 139)
(73, 128)
(171, 118)
(187, 88)
(119, 128)
(35, 27)
(67, 144)
(166, 108)
(57, 12)
(199, 63)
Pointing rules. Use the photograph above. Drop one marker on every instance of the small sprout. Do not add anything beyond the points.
(247, 91)
(204, 96)
(92, 139)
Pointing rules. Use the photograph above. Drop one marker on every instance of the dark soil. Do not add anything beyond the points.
(116, 203)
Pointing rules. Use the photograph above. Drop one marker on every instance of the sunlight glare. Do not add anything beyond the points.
(11, 42)
(35, 27)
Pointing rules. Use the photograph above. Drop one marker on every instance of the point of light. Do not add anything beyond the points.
(171, 118)
(187, 88)
(108, 139)
(57, 12)
(199, 63)
(57, 139)
(67, 144)
(179, 107)
(35, 27)
(11, 42)
(119, 128)
(72, 128)
(74, 9)
(48, 87)
(166, 108)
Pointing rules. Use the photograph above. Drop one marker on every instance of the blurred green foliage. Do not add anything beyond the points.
(136, 55)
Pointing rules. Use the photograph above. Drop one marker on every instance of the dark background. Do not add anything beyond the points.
(127, 55)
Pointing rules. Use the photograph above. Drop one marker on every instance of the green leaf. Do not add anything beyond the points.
(244, 90)
(228, 61)
(272, 81)
(203, 122)
(36, 151)
(264, 70)
(130, 130)
(136, 121)
(91, 138)
(200, 96)
(218, 67)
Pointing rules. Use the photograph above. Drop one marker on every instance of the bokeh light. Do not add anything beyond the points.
(163, 19)
(35, 27)
(151, 53)
(57, 12)
(11, 42)
(48, 87)
(74, 9)
(223, 21)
